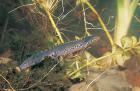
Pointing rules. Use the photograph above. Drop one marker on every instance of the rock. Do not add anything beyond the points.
(136, 89)
(133, 70)
(111, 80)
(4, 60)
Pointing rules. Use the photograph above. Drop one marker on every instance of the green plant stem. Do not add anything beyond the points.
(125, 12)
(55, 27)
(85, 22)
(48, 11)
(101, 22)
(89, 63)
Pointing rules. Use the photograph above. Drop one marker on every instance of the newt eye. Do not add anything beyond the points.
(52, 55)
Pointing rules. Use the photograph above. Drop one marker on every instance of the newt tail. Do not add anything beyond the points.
(33, 60)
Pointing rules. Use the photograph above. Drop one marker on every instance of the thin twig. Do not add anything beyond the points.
(89, 63)
(8, 82)
(54, 26)
(63, 9)
(90, 24)
(95, 28)
(63, 16)
(40, 79)
(137, 19)
(96, 79)
(86, 31)
(101, 22)
(4, 29)
(84, 14)
(21, 7)
(49, 7)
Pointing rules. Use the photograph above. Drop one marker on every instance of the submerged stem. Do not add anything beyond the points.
(48, 7)
(8, 82)
(101, 22)
(55, 27)
(89, 63)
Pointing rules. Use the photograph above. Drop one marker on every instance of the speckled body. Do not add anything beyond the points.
(60, 50)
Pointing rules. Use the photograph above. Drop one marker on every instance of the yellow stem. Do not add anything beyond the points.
(47, 10)
(89, 63)
(101, 22)
(55, 27)
(85, 21)
(125, 13)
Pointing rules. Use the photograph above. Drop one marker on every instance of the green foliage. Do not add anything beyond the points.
(125, 12)
(129, 41)
(131, 46)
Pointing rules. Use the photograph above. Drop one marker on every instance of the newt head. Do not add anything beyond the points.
(91, 40)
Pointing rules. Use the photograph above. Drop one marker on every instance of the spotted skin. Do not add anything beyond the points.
(60, 50)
